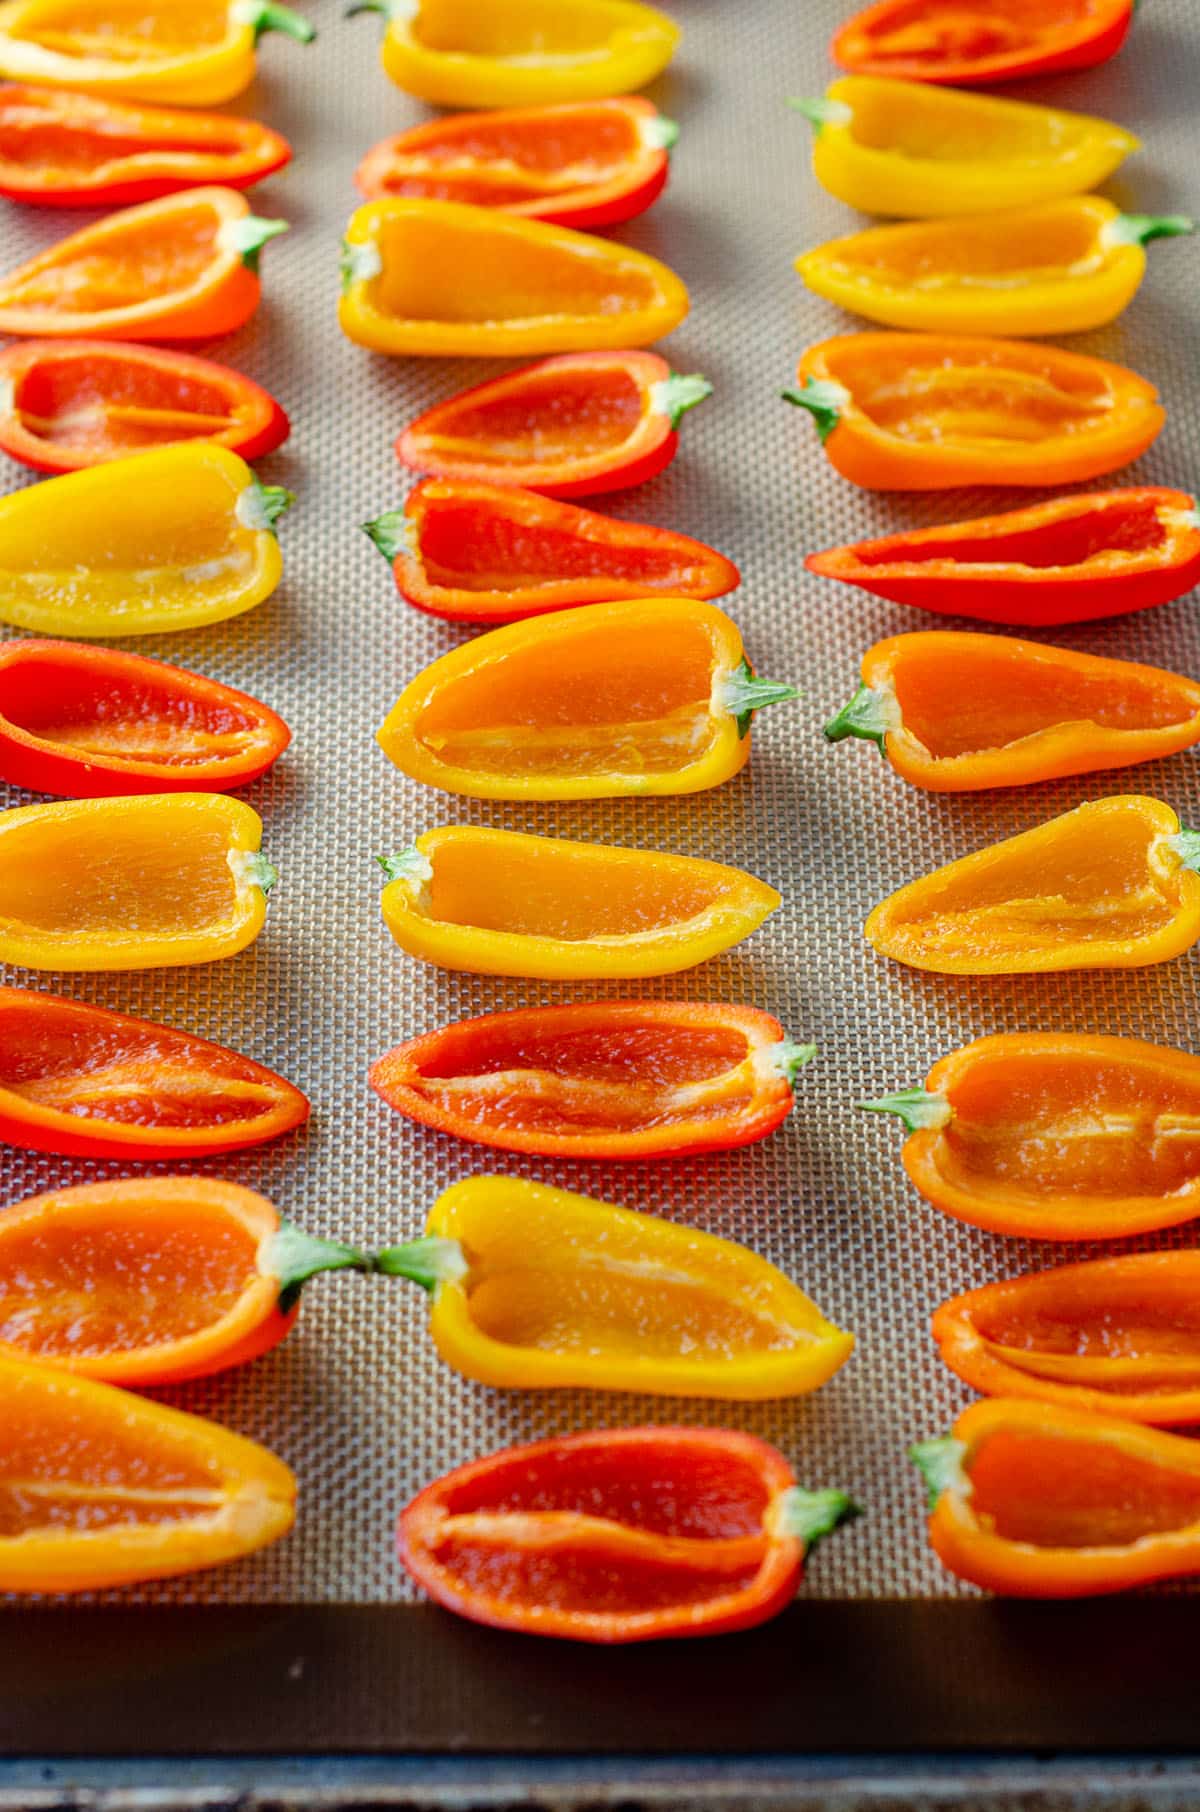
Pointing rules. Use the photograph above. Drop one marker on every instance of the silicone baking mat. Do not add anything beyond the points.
(356, 1401)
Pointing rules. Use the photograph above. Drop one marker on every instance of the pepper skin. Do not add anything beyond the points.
(167, 879)
(572, 426)
(198, 1495)
(1056, 1135)
(521, 53)
(187, 53)
(1111, 885)
(607, 702)
(1079, 557)
(69, 404)
(1039, 1501)
(930, 412)
(442, 279)
(62, 150)
(619, 1535)
(584, 164)
(906, 149)
(166, 540)
(492, 902)
(82, 1082)
(1117, 1335)
(182, 268)
(978, 41)
(615, 1079)
(962, 713)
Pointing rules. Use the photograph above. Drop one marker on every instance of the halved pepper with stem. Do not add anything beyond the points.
(84, 1082)
(139, 883)
(606, 702)
(493, 902)
(969, 41)
(932, 412)
(960, 713)
(619, 1534)
(571, 426)
(1056, 1135)
(616, 1079)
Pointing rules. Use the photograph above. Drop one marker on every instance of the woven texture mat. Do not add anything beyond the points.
(356, 1400)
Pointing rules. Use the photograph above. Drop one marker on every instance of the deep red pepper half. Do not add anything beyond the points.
(973, 42)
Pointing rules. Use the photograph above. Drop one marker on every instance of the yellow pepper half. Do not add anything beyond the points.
(914, 150)
(536, 1288)
(1063, 267)
(166, 540)
(521, 53)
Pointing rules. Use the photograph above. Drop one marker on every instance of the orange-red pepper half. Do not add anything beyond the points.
(977, 41)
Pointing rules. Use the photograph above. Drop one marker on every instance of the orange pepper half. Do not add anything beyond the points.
(1111, 885)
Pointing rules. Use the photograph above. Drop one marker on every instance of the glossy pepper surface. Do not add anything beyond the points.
(535, 1288)
(449, 280)
(189, 53)
(581, 164)
(903, 148)
(617, 1079)
(182, 268)
(605, 702)
(1056, 1135)
(961, 713)
(166, 879)
(166, 540)
(103, 1488)
(1117, 1335)
(84, 1082)
(969, 41)
(930, 412)
(483, 553)
(619, 1535)
(1078, 557)
(570, 426)
(521, 53)
(492, 902)
(1036, 1500)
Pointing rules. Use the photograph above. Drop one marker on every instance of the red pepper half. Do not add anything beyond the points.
(87, 723)
(620, 1535)
(479, 553)
(64, 150)
(1097, 555)
(972, 42)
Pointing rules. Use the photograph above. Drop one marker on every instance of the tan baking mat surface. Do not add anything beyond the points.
(356, 1400)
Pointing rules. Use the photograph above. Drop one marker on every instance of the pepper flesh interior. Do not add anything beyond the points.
(985, 251)
(946, 126)
(99, 402)
(1111, 1334)
(466, 548)
(921, 396)
(972, 32)
(1117, 532)
(528, 160)
(127, 31)
(532, 894)
(1062, 1491)
(135, 259)
(553, 419)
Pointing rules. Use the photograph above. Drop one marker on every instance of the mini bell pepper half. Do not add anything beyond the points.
(167, 879)
(571, 426)
(1117, 1335)
(932, 412)
(443, 279)
(619, 1535)
(976, 41)
(83, 1082)
(536, 1289)
(63, 150)
(103, 1488)
(491, 902)
(961, 713)
(581, 164)
(69, 404)
(182, 268)
(607, 702)
(1056, 1135)
(618, 1079)
(1035, 1500)
(521, 53)
(1067, 561)
(187, 53)
(903, 148)
(483, 553)
(1110, 885)
(166, 540)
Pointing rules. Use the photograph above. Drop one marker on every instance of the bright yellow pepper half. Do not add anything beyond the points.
(535, 1288)
(916, 150)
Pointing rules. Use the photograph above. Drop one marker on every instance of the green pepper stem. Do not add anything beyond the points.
(675, 395)
(809, 1516)
(391, 534)
(660, 133)
(824, 401)
(819, 111)
(1186, 844)
(1141, 229)
(390, 9)
(870, 714)
(293, 1257)
(915, 1106)
(407, 865)
(940, 1463)
(786, 1059)
(248, 235)
(261, 505)
(739, 693)
(267, 15)
(430, 1262)
(359, 264)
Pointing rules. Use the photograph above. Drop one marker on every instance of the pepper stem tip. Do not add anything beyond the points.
(1142, 229)
(430, 1261)
(915, 1106)
(940, 1463)
(267, 15)
(390, 533)
(294, 1256)
(248, 235)
(1186, 844)
(819, 111)
(809, 1516)
(824, 401)
(676, 394)
(870, 714)
(261, 505)
(739, 693)
(407, 865)
(660, 133)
